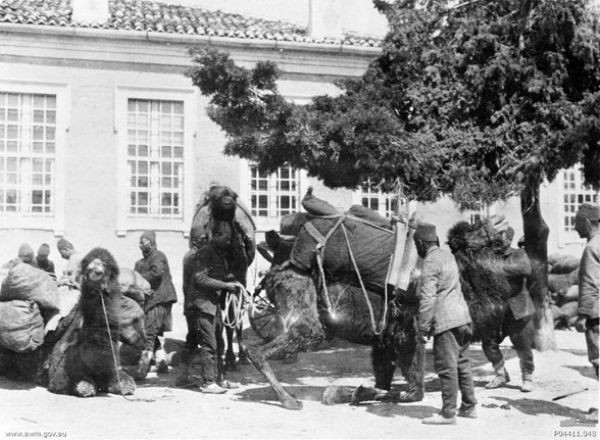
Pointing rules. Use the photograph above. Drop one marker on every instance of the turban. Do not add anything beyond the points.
(589, 211)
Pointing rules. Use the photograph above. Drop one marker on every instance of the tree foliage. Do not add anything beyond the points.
(470, 100)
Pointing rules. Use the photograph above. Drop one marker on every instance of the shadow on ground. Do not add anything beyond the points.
(534, 407)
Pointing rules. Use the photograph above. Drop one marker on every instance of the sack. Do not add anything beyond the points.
(561, 264)
(26, 282)
(372, 248)
(243, 220)
(131, 323)
(134, 285)
(21, 326)
(559, 283)
(371, 216)
(316, 206)
(68, 299)
(292, 223)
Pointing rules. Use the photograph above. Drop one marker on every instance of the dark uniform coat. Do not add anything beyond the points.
(154, 267)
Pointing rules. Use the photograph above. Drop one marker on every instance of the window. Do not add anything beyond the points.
(155, 158)
(475, 215)
(156, 129)
(28, 154)
(274, 195)
(574, 194)
(383, 203)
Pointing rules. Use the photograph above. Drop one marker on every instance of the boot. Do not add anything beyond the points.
(143, 365)
(160, 359)
(527, 385)
(501, 379)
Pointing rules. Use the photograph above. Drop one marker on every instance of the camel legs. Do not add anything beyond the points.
(258, 358)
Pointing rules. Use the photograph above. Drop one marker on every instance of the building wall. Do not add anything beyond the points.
(94, 76)
(92, 73)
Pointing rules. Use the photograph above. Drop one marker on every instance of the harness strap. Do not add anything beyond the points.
(376, 331)
(320, 251)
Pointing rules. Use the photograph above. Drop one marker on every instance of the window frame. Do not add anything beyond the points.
(382, 197)
(55, 222)
(568, 237)
(271, 221)
(125, 222)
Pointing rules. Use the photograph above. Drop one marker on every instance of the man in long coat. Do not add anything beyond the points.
(154, 267)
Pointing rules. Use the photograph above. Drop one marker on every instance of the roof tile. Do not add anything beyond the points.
(152, 16)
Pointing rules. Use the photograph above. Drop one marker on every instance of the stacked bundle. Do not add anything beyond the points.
(34, 314)
(563, 276)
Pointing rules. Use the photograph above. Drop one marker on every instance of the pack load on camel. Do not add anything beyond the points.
(296, 287)
(336, 281)
(39, 320)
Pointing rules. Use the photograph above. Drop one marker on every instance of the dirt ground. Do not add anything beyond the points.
(159, 410)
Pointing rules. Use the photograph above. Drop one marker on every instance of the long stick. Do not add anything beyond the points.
(562, 396)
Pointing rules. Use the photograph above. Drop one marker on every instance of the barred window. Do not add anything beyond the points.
(574, 194)
(383, 203)
(274, 195)
(155, 158)
(27, 153)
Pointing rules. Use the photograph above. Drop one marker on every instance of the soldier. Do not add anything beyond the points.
(443, 313)
(587, 225)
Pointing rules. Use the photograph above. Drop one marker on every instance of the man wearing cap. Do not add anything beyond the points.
(43, 262)
(26, 254)
(518, 321)
(197, 239)
(587, 225)
(444, 314)
(210, 278)
(154, 267)
(71, 276)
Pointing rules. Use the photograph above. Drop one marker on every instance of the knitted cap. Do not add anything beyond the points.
(426, 232)
(149, 235)
(589, 211)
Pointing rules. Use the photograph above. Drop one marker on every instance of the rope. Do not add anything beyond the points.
(238, 303)
(114, 356)
(364, 290)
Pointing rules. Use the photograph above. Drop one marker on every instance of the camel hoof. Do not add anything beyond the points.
(292, 404)
(85, 389)
(405, 397)
(125, 385)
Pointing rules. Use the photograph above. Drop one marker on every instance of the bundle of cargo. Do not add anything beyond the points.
(31, 315)
(563, 279)
(221, 202)
(134, 286)
(28, 299)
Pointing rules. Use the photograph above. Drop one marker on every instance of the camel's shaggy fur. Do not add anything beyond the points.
(89, 364)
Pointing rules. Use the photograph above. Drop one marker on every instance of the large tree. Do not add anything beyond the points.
(480, 100)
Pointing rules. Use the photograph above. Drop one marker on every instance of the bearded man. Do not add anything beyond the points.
(154, 267)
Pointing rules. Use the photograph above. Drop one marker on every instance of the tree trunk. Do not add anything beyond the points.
(536, 245)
